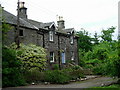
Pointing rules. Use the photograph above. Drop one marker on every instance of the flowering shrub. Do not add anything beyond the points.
(32, 56)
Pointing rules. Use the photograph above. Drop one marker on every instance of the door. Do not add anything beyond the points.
(63, 57)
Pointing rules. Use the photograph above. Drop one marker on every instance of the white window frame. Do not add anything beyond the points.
(50, 35)
(53, 59)
(71, 39)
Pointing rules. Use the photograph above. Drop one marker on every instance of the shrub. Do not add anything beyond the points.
(74, 72)
(34, 76)
(11, 69)
(56, 76)
(75, 67)
(32, 56)
(56, 67)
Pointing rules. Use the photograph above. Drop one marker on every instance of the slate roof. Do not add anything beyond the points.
(48, 24)
(12, 19)
(69, 30)
(40, 24)
(36, 23)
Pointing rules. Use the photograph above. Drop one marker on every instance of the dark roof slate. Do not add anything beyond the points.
(69, 30)
(12, 19)
(40, 24)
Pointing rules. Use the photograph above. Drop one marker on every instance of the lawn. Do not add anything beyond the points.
(111, 86)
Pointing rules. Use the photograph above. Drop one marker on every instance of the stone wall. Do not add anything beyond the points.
(40, 38)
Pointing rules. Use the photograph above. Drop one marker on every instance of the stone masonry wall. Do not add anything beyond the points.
(32, 37)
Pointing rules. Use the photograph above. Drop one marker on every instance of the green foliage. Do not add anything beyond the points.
(111, 62)
(34, 76)
(107, 34)
(111, 86)
(74, 72)
(56, 76)
(103, 59)
(95, 39)
(11, 69)
(56, 67)
(101, 51)
(32, 56)
(88, 56)
(93, 61)
(75, 67)
(84, 41)
(5, 29)
(81, 58)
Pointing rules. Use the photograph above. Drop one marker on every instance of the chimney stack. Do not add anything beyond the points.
(23, 10)
(60, 22)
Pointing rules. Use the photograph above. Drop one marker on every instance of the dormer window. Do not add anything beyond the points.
(50, 35)
(71, 39)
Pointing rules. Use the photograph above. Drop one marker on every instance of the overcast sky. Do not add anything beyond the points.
(92, 15)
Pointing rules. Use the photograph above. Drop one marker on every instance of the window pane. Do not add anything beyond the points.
(72, 55)
(63, 57)
(71, 38)
(51, 57)
(51, 36)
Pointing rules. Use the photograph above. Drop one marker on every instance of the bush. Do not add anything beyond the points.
(56, 67)
(74, 72)
(11, 69)
(56, 76)
(32, 56)
(34, 76)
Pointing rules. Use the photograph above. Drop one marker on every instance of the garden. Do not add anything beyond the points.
(27, 64)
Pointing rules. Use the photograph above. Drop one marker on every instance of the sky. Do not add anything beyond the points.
(92, 15)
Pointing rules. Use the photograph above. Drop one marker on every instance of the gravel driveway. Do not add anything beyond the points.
(99, 81)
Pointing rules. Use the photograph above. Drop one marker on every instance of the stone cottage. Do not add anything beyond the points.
(60, 43)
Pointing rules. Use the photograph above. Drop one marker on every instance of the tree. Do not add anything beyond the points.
(95, 39)
(104, 59)
(11, 69)
(5, 29)
(84, 41)
(107, 34)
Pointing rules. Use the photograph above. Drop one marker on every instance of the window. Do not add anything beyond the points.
(63, 57)
(51, 35)
(51, 56)
(72, 55)
(71, 40)
(20, 32)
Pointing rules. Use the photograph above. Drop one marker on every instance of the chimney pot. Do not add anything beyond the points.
(61, 23)
(21, 4)
(23, 10)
